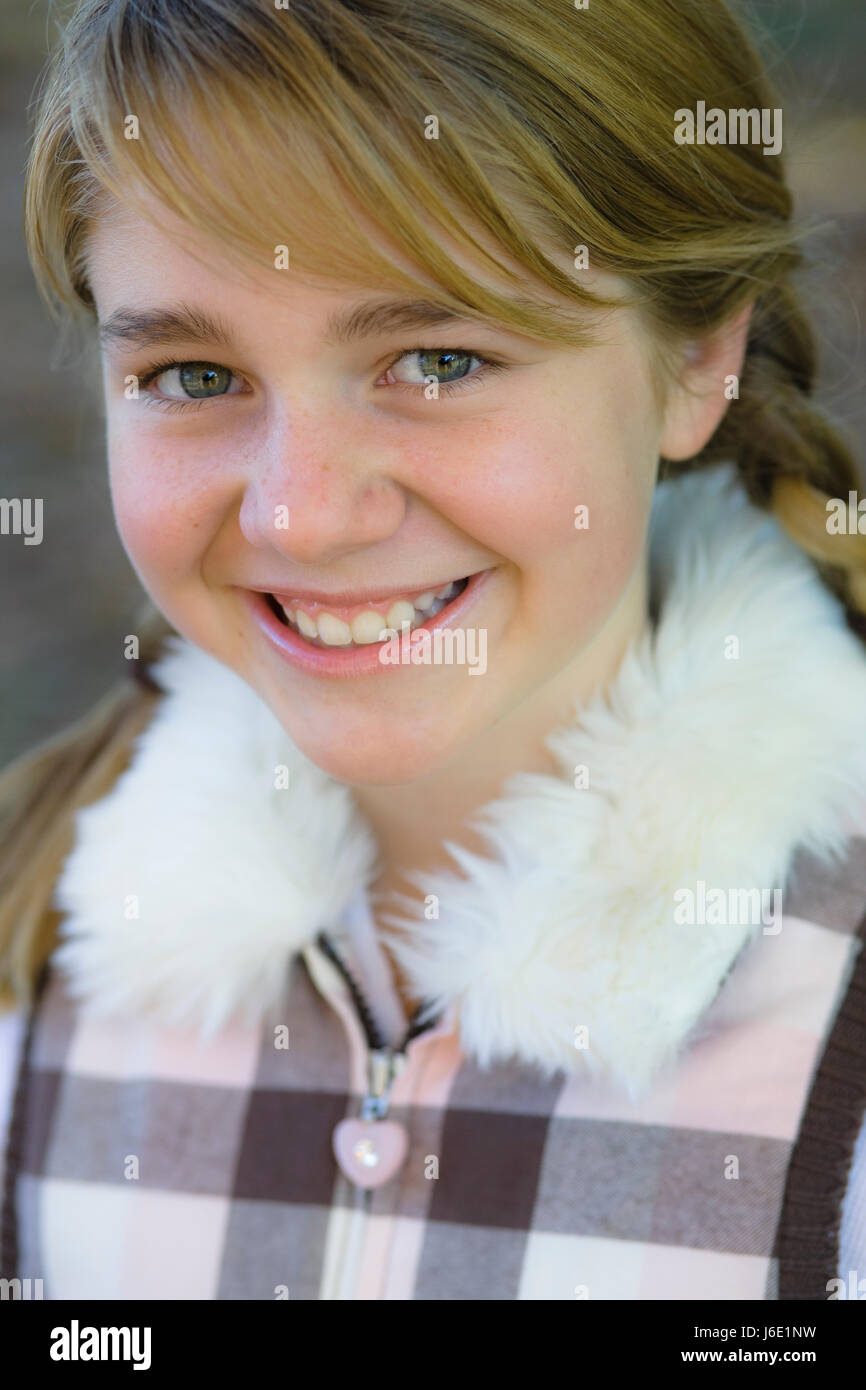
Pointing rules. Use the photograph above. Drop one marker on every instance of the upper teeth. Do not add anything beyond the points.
(369, 625)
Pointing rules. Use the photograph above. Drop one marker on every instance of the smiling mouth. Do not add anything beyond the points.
(372, 623)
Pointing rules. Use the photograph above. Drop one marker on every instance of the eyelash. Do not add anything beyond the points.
(489, 365)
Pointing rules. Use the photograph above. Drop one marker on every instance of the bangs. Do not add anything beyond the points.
(334, 170)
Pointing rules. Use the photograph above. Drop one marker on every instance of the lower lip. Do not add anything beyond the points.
(350, 661)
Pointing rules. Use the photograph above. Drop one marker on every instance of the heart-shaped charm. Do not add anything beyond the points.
(370, 1151)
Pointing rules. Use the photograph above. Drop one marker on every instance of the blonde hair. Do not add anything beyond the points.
(230, 103)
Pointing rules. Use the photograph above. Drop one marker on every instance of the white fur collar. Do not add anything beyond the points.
(701, 768)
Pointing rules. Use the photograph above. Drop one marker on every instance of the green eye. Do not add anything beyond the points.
(203, 379)
(434, 361)
(186, 385)
(451, 369)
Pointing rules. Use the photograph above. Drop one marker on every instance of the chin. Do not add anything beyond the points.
(373, 762)
(374, 753)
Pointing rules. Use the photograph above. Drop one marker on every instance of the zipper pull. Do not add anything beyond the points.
(371, 1149)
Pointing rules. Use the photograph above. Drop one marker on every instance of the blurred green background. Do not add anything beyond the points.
(68, 602)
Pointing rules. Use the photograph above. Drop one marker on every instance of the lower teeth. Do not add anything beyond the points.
(417, 621)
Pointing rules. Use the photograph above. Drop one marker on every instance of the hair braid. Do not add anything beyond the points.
(790, 456)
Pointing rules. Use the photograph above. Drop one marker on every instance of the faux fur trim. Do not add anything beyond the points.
(701, 768)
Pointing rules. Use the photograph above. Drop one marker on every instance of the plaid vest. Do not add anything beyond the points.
(149, 1166)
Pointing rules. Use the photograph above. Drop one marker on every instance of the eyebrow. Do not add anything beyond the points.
(148, 327)
(144, 328)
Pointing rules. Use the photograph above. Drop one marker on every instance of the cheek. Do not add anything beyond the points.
(165, 507)
(565, 499)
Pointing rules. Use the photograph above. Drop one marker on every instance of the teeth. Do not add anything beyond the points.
(333, 631)
(367, 627)
(399, 613)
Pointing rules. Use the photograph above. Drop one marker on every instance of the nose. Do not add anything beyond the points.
(319, 491)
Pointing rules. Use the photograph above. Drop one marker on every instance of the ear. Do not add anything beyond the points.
(697, 400)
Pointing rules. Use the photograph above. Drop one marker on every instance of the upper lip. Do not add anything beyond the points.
(355, 595)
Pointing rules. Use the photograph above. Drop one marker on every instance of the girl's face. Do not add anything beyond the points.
(315, 465)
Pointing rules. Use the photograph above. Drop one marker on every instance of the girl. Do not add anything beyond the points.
(462, 900)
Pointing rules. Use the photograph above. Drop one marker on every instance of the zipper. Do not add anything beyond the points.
(384, 1064)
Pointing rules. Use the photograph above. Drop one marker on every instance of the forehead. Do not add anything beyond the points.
(142, 253)
(155, 286)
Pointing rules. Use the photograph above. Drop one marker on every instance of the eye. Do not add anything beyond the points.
(188, 385)
(185, 384)
(449, 369)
